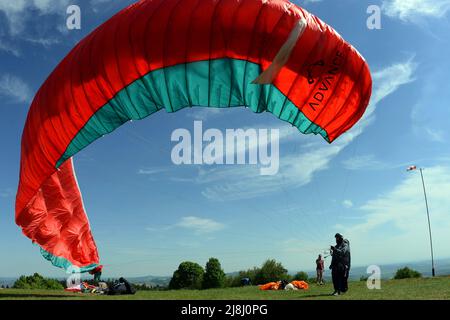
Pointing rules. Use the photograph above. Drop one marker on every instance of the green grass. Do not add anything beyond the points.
(420, 289)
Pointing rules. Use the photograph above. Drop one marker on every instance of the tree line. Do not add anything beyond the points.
(191, 275)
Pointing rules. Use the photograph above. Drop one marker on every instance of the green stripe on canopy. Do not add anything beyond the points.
(220, 83)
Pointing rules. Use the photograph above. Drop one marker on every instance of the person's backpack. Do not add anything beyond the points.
(129, 288)
(246, 281)
(283, 284)
(122, 287)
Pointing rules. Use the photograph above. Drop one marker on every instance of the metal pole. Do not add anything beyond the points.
(429, 224)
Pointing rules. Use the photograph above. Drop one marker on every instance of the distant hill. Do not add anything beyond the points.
(148, 280)
(7, 281)
(162, 281)
(388, 271)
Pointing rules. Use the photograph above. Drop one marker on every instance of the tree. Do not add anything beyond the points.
(214, 275)
(189, 275)
(301, 276)
(405, 273)
(270, 271)
(250, 274)
(36, 281)
(235, 280)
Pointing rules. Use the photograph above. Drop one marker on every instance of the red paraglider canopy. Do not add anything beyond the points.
(268, 55)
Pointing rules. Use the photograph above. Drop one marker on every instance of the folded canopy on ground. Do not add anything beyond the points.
(300, 285)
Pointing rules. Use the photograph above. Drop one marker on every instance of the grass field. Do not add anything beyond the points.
(421, 289)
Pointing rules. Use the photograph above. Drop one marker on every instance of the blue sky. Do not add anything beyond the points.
(148, 215)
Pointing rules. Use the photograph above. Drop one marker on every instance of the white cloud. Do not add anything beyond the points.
(6, 193)
(311, 1)
(390, 79)
(19, 12)
(102, 6)
(152, 171)
(204, 113)
(244, 182)
(427, 125)
(410, 10)
(45, 42)
(369, 162)
(395, 225)
(200, 225)
(301, 247)
(99, 2)
(366, 162)
(14, 88)
(13, 11)
(298, 168)
(347, 204)
(435, 135)
(252, 145)
(8, 48)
